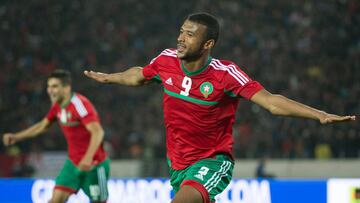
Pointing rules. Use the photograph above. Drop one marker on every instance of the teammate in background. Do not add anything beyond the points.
(87, 167)
(200, 101)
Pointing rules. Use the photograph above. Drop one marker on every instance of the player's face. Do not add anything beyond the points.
(56, 90)
(190, 43)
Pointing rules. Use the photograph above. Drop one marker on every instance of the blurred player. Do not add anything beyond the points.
(87, 166)
(200, 101)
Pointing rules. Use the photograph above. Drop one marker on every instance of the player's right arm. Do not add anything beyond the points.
(131, 77)
(32, 131)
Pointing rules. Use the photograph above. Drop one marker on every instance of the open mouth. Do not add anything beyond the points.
(181, 47)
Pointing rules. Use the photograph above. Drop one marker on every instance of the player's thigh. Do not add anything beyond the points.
(210, 176)
(68, 179)
(188, 194)
(95, 182)
(59, 196)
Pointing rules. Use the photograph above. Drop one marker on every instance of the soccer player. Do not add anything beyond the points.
(200, 101)
(87, 167)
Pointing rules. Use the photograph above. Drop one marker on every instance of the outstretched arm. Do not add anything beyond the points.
(280, 105)
(131, 77)
(32, 131)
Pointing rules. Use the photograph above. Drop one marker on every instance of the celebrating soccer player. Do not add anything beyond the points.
(200, 101)
(87, 167)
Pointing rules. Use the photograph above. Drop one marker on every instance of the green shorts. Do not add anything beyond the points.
(209, 176)
(93, 182)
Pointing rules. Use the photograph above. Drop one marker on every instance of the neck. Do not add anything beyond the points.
(194, 65)
(66, 99)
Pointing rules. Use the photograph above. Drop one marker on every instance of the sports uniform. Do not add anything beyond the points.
(73, 118)
(199, 112)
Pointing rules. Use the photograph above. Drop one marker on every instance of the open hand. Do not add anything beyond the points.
(332, 118)
(98, 76)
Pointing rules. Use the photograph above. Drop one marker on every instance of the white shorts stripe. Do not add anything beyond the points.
(223, 174)
(102, 183)
(214, 176)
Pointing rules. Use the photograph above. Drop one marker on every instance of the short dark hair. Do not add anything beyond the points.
(210, 21)
(63, 75)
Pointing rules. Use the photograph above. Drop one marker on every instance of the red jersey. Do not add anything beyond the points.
(72, 118)
(200, 106)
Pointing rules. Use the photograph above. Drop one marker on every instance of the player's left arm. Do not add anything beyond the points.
(283, 106)
(97, 136)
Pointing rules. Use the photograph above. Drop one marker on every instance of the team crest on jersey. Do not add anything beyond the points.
(206, 88)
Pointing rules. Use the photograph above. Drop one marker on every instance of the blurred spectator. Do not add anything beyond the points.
(323, 151)
(261, 169)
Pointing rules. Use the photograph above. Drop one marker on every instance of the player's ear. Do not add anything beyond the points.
(209, 44)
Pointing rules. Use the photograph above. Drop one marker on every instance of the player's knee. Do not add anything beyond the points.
(59, 197)
(57, 200)
(188, 194)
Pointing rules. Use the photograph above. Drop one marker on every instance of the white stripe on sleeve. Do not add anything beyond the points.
(79, 106)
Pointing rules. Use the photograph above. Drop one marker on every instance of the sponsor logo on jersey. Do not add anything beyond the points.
(169, 81)
(206, 88)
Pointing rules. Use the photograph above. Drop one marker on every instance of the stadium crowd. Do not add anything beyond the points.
(306, 50)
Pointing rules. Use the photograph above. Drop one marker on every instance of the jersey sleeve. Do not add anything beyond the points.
(51, 115)
(239, 83)
(151, 71)
(86, 111)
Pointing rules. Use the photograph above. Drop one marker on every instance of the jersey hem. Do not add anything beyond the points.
(98, 161)
(229, 156)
